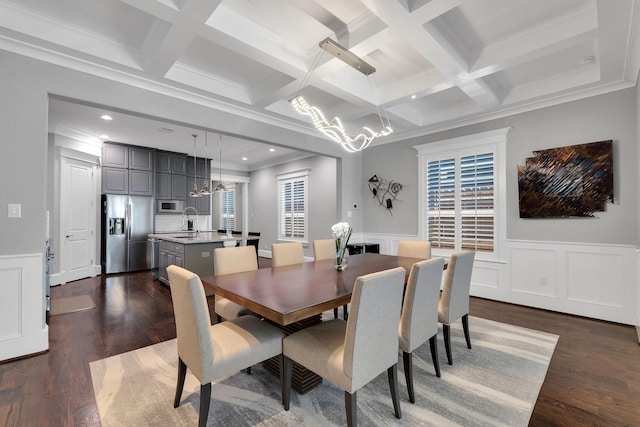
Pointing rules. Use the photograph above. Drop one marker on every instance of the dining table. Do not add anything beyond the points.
(294, 297)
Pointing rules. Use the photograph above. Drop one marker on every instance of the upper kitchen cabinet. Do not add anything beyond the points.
(171, 186)
(115, 181)
(140, 182)
(140, 158)
(115, 155)
(168, 162)
(201, 167)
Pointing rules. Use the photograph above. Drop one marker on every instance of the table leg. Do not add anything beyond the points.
(302, 379)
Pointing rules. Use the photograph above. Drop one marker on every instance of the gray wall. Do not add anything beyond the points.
(610, 116)
(323, 209)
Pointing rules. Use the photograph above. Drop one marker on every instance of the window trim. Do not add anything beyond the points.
(298, 175)
(491, 141)
(221, 213)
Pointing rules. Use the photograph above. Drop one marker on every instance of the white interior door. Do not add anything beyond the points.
(77, 219)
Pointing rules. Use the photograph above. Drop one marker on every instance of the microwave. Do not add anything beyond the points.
(170, 206)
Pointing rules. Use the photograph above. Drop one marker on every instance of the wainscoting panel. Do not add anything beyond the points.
(22, 306)
(533, 271)
(595, 278)
(592, 280)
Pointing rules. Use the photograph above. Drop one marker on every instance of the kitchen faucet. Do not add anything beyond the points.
(186, 214)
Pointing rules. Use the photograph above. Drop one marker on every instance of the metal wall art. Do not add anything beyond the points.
(572, 181)
(384, 191)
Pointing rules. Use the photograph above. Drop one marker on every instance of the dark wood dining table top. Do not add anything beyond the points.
(286, 295)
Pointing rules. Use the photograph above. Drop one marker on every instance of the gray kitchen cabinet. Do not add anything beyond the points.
(141, 182)
(197, 258)
(168, 162)
(170, 186)
(115, 155)
(141, 158)
(200, 168)
(202, 204)
(115, 181)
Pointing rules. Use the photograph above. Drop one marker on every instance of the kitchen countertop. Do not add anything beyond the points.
(192, 237)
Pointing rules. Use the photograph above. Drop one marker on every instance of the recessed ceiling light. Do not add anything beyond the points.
(104, 136)
(272, 149)
(106, 117)
(165, 130)
(587, 60)
(244, 158)
(413, 96)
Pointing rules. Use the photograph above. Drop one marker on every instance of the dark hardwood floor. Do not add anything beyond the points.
(593, 379)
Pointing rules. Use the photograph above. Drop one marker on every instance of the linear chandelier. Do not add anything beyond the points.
(334, 129)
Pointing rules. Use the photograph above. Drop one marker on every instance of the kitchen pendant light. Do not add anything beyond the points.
(205, 185)
(194, 192)
(220, 187)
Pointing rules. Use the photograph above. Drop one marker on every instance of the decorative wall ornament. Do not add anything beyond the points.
(384, 191)
(571, 181)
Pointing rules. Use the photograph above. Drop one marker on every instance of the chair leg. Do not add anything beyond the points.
(205, 400)
(447, 342)
(335, 312)
(249, 370)
(286, 386)
(218, 318)
(282, 379)
(182, 373)
(350, 404)
(408, 374)
(345, 312)
(433, 343)
(465, 327)
(392, 372)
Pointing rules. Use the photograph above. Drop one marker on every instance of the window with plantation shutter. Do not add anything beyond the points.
(228, 210)
(293, 216)
(460, 192)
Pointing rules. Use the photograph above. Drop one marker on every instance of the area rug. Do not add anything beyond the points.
(66, 305)
(494, 384)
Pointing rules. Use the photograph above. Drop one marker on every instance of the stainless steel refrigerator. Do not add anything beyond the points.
(126, 222)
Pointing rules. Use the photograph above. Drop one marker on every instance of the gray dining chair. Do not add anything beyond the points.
(419, 317)
(214, 351)
(351, 353)
(283, 254)
(235, 259)
(454, 299)
(326, 249)
(414, 249)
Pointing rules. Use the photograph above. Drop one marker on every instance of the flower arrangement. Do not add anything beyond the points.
(341, 233)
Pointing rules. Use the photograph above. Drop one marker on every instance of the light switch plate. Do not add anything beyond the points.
(15, 210)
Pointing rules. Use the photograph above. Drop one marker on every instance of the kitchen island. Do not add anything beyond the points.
(191, 250)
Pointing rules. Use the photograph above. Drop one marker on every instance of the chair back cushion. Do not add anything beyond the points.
(414, 249)
(371, 337)
(454, 301)
(419, 318)
(286, 254)
(324, 249)
(192, 320)
(235, 259)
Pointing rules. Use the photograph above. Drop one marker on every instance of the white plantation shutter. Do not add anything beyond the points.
(228, 210)
(462, 193)
(441, 203)
(476, 202)
(293, 208)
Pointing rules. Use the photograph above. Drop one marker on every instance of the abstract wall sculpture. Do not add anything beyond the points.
(565, 182)
(384, 191)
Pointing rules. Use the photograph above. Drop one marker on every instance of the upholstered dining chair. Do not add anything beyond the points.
(235, 259)
(352, 353)
(419, 317)
(214, 351)
(326, 249)
(454, 299)
(286, 254)
(414, 249)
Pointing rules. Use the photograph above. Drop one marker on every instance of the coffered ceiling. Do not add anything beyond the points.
(440, 63)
